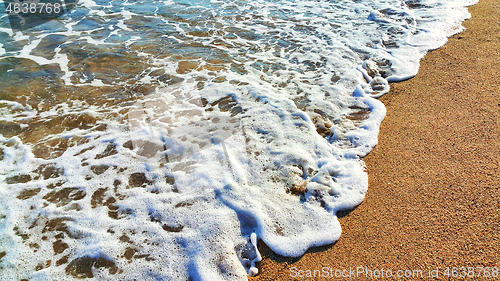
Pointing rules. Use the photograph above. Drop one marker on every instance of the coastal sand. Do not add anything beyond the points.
(434, 179)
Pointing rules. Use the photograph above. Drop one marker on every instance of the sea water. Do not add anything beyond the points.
(160, 140)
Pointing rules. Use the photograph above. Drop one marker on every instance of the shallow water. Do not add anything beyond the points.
(161, 139)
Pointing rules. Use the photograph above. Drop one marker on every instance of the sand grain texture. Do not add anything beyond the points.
(434, 179)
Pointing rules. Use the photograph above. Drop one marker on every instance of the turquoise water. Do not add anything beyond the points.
(159, 140)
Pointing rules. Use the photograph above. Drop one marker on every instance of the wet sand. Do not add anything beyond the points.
(434, 178)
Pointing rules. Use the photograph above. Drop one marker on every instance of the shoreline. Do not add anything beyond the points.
(434, 177)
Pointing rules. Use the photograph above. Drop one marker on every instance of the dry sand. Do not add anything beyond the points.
(434, 179)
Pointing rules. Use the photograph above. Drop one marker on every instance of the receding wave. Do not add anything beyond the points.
(162, 139)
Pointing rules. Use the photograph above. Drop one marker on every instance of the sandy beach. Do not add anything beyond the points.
(434, 178)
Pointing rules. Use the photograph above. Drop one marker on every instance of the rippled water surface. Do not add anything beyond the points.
(159, 140)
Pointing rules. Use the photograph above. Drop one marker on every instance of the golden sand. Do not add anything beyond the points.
(434, 179)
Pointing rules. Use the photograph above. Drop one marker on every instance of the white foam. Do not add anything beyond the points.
(267, 146)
